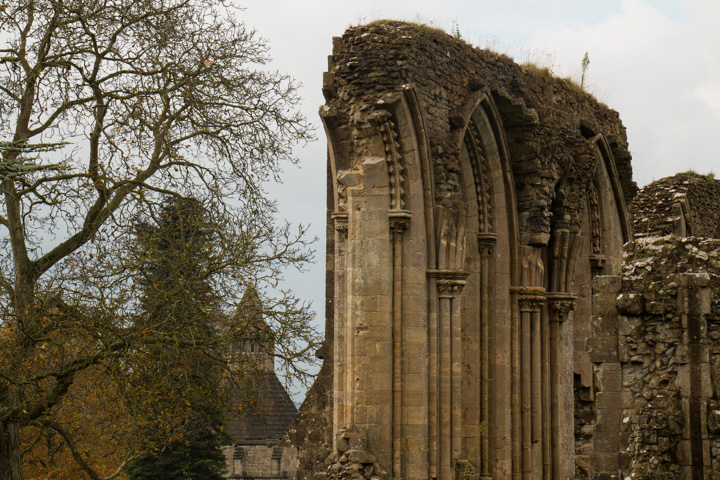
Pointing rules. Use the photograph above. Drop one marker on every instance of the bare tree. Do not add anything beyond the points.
(105, 107)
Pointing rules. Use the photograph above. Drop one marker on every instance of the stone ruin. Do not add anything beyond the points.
(664, 207)
(481, 321)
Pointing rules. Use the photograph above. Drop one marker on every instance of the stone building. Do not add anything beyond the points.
(261, 449)
(684, 205)
(655, 342)
(477, 326)
(471, 203)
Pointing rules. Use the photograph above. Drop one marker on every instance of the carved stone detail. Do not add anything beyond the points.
(486, 243)
(399, 220)
(530, 298)
(389, 133)
(560, 304)
(595, 222)
(450, 288)
(341, 222)
(476, 151)
(341, 191)
(450, 283)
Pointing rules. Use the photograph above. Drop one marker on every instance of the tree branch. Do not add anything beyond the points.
(77, 456)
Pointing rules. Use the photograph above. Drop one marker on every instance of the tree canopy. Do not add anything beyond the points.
(107, 108)
(178, 302)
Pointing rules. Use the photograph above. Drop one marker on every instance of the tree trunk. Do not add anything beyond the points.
(10, 463)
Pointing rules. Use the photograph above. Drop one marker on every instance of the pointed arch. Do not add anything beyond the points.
(491, 264)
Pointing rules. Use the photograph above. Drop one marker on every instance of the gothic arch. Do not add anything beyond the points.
(482, 387)
(605, 219)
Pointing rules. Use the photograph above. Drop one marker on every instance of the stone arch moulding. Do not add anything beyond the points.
(480, 109)
(607, 220)
(475, 322)
(382, 210)
(603, 154)
(683, 218)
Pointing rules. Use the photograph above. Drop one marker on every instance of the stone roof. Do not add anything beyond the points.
(267, 413)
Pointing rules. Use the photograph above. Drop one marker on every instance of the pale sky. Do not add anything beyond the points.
(655, 62)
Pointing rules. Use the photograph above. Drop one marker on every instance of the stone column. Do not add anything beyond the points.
(449, 358)
(340, 420)
(531, 300)
(603, 350)
(433, 377)
(527, 371)
(486, 244)
(559, 306)
(399, 220)
(694, 302)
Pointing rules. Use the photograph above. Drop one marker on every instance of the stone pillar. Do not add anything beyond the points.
(486, 244)
(433, 378)
(368, 316)
(399, 220)
(604, 353)
(527, 375)
(694, 303)
(340, 357)
(560, 305)
(449, 370)
(531, 300)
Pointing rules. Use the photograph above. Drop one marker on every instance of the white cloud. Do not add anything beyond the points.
(710, 95)
(660, 73)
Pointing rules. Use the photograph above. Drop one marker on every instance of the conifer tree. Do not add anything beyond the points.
(178, 302)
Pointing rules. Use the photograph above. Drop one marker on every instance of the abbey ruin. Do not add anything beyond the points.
(482, 320)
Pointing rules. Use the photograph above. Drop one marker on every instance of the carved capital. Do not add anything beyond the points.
(399, 220)
(341, 222)
(560, 305)
(530, 299)
(450, 283)
(529, 303)
(486, 243)
(450, 288)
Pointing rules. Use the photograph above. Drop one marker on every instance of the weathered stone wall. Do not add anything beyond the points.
(476, 210)
(656, 348)
(548, 121)
(686, 204)
(267, 461)
(471, 202)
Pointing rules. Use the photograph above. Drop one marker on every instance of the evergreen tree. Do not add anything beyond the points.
(178, 302)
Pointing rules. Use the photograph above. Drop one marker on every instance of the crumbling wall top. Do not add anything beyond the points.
(549, 123)
(687, 204)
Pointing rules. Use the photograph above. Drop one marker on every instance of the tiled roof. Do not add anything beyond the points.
(266, 413)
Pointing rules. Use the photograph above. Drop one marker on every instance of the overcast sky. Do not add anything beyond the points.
(655, 62)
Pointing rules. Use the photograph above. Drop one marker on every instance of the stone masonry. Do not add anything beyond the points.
(656, 351)
(684, 205)
(476, 323)
(471, 202)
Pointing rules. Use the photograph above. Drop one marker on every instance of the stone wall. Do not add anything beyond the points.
(482, 321)
(656, 350)
(266, 461)
(471, 202)
(684, 205)
(549, 121)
